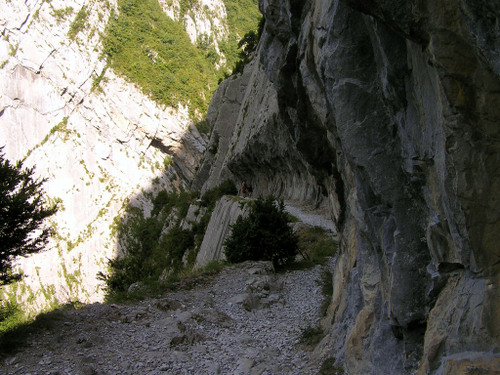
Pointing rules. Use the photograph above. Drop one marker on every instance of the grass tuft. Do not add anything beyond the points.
(311, 336)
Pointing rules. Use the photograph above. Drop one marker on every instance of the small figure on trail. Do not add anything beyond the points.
(243, 190)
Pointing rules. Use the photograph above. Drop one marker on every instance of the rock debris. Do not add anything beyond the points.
(247, 320)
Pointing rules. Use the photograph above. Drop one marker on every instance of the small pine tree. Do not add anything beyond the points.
(264, 234)
(22, 215)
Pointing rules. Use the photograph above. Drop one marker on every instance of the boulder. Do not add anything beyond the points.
(226, 211)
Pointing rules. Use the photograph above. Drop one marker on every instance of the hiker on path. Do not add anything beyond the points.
(243, 190)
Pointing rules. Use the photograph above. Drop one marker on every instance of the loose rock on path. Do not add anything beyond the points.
(248, 320)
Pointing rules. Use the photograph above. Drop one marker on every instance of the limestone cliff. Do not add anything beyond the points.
(98, 139)
(382, 115)
(387, 115)
(225, 214)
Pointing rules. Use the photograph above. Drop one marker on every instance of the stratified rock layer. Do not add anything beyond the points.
(387, 114)
(226, 211)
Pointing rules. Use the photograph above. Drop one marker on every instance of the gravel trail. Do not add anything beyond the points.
(247, 320)
(310, 216)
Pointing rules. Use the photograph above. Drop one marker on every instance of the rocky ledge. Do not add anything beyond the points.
(247, 320)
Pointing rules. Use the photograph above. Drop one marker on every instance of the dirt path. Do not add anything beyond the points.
(248, 320)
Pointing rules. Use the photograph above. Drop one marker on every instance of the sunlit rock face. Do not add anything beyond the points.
(225, 214)
(387, 115)
(100, 147)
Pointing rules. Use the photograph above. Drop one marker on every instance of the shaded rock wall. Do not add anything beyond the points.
(100, 146)
(387, 114)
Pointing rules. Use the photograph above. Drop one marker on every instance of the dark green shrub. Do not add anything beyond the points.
(328, 367)
(311, 336)
(24, 229)
(247, 45)
(174, 245)
(138, 236)
(164, 202)
(163, 199)
(263, 235)
(203, 127)
(148, 252)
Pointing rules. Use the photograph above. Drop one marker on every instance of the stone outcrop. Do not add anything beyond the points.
(386, 114)
(225, 213)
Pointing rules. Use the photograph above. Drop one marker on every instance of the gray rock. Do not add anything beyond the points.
(372, 112)
(135, 287)
(225, 213)
(248, 301)
(196, 338)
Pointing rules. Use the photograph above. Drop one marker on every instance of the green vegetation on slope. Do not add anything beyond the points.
(153, 51)
(143, 44)
(78, 23)
(243, 16)
(152, 257)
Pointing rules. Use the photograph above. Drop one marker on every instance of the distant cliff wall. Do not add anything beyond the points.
(387, 115)
(98, 139)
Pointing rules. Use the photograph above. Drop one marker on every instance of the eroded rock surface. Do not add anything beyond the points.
(226, 212)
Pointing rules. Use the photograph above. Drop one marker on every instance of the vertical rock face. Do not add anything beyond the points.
(96, 137)
(387, 114)
(225, 214)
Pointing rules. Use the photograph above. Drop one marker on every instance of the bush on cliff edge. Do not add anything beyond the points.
(264, 234)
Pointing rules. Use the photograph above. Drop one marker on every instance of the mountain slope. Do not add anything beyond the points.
(381, 115)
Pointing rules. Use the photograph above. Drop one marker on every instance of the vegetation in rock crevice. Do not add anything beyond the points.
(78, 23)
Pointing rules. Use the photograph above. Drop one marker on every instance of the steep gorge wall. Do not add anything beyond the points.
(98, 139)
(387, 115)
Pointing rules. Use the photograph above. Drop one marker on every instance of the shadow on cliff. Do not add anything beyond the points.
(162, 227)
